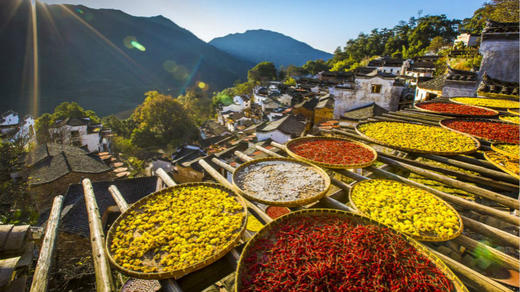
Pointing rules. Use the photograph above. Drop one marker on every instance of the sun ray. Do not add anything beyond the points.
(35, 89)
(11, 14)
(48, 17)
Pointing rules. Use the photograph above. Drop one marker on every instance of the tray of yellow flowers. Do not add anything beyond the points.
(407, 209)
(176, 231)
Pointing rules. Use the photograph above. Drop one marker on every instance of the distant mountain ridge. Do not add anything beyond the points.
(103, 59)
(265, 45)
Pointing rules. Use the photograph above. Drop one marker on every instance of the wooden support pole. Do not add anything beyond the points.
(482, 282)
(267, 151)
(41, 273)
(120, 201)
(451, 198)
(470, 165)
(492, 232)
(460, 175)
(165, 177)
(104, 281)
(496, 197)
(223, 164)
(494, 254)
(218, 177)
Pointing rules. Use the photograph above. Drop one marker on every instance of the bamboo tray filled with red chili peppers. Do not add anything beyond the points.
(333, 250)
(455, 109)
(489, 130)
(330, 152)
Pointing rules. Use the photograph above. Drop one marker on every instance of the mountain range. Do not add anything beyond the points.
(106, 60)
(265, 45)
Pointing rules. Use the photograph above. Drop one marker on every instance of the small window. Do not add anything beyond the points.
(376, 88)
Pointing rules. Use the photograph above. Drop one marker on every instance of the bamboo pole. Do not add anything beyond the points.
(483, 282)
(218, 177)
(104, 281)
(499, 198)
(420, 116)
(471, 166)
(451, 198)
(267, 151)
(411, 119)
(492, 252)
(165, 177)
(118, 198)
(41, 273)
(492, 232)
(460, 175)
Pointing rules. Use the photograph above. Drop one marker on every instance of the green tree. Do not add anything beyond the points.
(295, 71)
(436, 44)
(264, 71)
(290, 82)
(161, 120)
(316, 66)
(41, 126)
(496, 10)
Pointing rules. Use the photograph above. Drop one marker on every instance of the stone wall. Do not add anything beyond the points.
(500, 59)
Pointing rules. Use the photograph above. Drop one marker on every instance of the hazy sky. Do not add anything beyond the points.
(323, 24)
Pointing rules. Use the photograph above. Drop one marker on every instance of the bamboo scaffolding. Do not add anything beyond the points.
(492, 232)
(410, 119)
(481, 281)
(496, 197)
(460, 175)
(104, 281)
(41, 273)
(492, 252)
(451, 198)
(430, 118)
(466, 241)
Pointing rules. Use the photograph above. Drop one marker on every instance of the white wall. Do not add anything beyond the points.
(11, 120)
(346, 99)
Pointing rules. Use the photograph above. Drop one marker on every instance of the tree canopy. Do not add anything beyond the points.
(496, 10)
(161, 120)
(263, 71)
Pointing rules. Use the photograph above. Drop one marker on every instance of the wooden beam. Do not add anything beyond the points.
(482, 282)
(494, 254)
(499, 235)
(120, 201)
(104, 281)
(496, 197)
(451, 198)
(165, 177)
(460, 175)
(41, 273)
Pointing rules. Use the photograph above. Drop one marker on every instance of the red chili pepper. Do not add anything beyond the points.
(333, 254)
(333, 151)
(491, 130)
(453, 108)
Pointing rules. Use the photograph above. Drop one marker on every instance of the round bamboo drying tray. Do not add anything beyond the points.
(328, 165)
(266, 231)
(441, 123)
(421, 237)
(500, 166)
(452, 99)
(417, 106)
(445, 153)
(181, 272)
(509, 154)
(514, 111)
(294, 203)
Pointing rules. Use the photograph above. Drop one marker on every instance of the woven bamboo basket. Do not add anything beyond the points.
(181, 272)
(503, 118)
(495, 148)
(443, 122)
(293, 203)
(327, 165)
(452, 99)
(500, 166)
(417, 106)
(513, 111)
(496, 95)
(294, 216)
(423, 237)
(444, 153)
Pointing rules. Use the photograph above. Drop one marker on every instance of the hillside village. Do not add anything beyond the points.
(254, 125)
